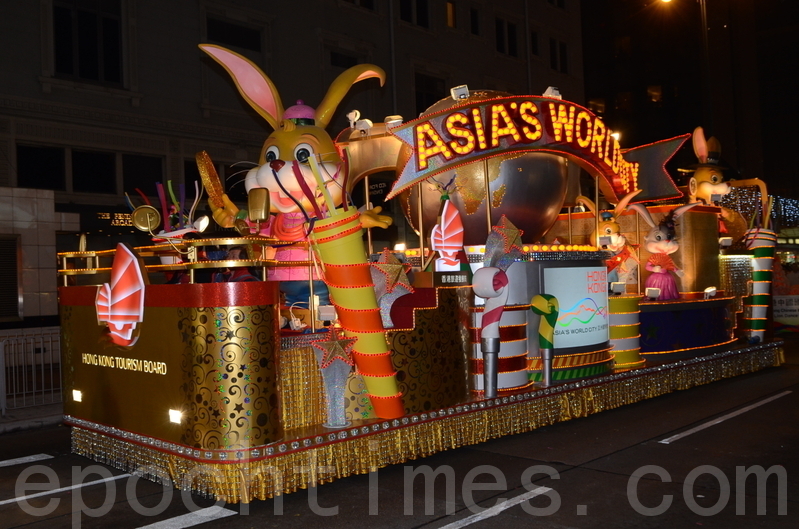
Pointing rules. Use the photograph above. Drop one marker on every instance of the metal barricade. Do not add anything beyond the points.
(30, 366)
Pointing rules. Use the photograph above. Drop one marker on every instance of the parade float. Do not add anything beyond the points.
(508, 314)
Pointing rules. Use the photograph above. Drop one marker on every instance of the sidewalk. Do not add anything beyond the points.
(32, 417)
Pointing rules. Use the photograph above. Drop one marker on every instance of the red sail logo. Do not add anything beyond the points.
(120, 304)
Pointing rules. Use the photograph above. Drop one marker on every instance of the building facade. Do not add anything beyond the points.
(102, 99)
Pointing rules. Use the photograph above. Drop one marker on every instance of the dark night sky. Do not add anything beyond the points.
(634, 46)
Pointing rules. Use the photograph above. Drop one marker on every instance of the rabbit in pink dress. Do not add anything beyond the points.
(661, 242)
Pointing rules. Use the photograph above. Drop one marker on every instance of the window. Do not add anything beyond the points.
(366, 4)
(474, 21)
(87, 36)
(534, 49)
(94, 172)
(142, 172)
(41, 167)
(10, 279)
(429, 90)
(624, 101)
(415, 12)
(342, 60)
(621, 46)
(506, 37)
(596, 105)
(558, 56)
(654, 93)
(82, 171)
(232, 34)
(451, 21)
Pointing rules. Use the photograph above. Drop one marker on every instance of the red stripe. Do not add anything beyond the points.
(187, 295)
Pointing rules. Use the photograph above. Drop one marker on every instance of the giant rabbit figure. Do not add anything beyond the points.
(284, 169)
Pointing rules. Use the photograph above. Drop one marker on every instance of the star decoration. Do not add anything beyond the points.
(335, 347)
(510, 234)
(394, 271)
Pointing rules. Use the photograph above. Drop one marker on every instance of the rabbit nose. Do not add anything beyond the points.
(277, 165)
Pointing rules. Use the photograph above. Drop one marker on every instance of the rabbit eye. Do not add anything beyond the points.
(658, 237)
(608, 231)
(303, 152)
(272, 154)
(715, 179)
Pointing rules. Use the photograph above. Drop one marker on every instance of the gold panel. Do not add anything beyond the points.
(431, 360)
(218, 366)
(231, 376)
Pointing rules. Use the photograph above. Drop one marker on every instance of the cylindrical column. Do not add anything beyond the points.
(340, 247)
(625, 331)
(761, 242)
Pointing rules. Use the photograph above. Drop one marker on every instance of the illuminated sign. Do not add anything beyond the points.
(464, 134)
(582, 294)
(115, 219)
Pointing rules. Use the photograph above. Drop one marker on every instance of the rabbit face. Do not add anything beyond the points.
(285, 157)
(299, 135)
(706, 182)
(612, 229)
(660, 239)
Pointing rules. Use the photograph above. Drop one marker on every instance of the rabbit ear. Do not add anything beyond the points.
(682, 209)
(587, 202)
(622, 205)
(644, 213)
(340, 87)
(700, 145)
(253, 84)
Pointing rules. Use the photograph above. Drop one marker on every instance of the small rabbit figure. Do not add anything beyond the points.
(661, 242)
(707, 178)
(623, 263)
(706, 183)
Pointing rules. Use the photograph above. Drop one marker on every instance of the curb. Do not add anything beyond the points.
(30, 424)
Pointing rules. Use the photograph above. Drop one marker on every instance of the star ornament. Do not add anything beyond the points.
(511, 235)
(335, 347)
(394, 271)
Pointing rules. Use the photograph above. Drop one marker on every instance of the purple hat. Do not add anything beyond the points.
(300, 114)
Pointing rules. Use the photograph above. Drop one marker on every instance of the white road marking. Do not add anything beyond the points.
(498, 508)
(62, 489)
(191, 519)
(721, 419)
(26, 459)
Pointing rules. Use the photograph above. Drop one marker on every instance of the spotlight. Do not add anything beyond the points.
(553, 92)
(652, 293)
(618, 288)
(459, 92)
(175, 416)
(725, 242)
(77, 396)
(393, 121)
(710, 292)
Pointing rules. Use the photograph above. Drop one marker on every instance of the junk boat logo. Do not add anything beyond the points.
(120, 304)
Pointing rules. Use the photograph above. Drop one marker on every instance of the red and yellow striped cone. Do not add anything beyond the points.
(339, 244)
(762, 243)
